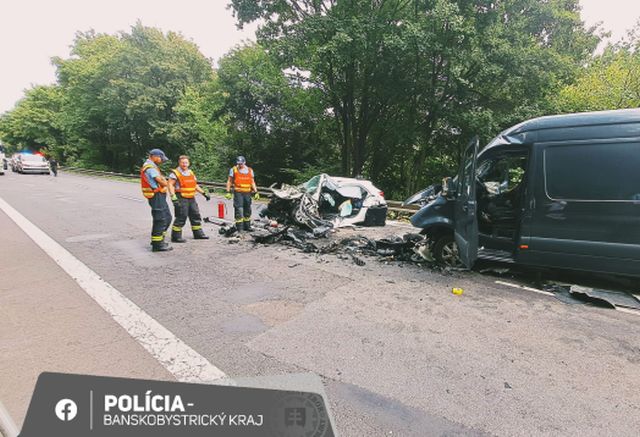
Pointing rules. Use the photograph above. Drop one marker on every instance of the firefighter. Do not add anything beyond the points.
(154, 188)
(183, 187)
(241, 178)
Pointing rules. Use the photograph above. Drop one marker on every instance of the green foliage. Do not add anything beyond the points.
(201, 129)
(274, 121)
(611, 80)
(35, 123)
(121, 92)
(408, 82)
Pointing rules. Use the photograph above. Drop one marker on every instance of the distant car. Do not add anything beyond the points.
(32, 163)
(13, 162)
(3, 160)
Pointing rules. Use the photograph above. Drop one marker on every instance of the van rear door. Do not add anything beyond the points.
(466, 221)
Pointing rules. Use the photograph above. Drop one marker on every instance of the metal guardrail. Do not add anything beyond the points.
(394, 205)
(8, 427)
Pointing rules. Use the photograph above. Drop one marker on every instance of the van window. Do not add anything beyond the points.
(606, 172)
(501, 174)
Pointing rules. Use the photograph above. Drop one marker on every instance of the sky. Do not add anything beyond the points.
(33, 31)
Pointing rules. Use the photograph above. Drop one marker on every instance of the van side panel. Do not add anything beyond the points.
(586, 212)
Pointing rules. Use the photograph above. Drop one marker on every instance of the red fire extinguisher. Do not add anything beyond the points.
(221, 209)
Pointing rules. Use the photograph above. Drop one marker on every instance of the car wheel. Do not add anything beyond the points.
(445, 251)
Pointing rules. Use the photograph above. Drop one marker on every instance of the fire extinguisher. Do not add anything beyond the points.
(221, 209)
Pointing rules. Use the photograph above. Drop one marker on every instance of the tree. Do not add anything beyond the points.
(610, 81)
(36, 123)
(201, 128)
(121, 91)
(275, 121)
(409, 81)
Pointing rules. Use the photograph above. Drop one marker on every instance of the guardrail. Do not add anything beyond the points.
(394, 205)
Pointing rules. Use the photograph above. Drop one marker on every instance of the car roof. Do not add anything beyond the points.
(619, 123)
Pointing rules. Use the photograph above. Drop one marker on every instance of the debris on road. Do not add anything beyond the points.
(457, 291)
(322, 241)
(575, 294)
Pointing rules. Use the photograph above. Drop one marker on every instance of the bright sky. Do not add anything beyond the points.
(32, 31)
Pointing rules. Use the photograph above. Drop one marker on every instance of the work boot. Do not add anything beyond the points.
(160, 246)
(199, 234)
(176, 237)
(247, 226)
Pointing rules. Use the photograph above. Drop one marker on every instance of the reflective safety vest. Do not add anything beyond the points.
(147, 190)
(242, 182)
(187, 184)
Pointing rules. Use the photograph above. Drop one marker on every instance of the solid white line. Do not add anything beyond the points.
(8, 427)
(522, 287)
(175, 355)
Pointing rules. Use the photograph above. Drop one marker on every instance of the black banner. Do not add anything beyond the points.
(80, 406)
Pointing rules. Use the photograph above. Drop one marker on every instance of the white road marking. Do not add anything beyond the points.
(88, 237)
(135, 199)
(522, 287)
(175, 355)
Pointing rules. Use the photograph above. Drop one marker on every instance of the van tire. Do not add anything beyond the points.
(445, 251)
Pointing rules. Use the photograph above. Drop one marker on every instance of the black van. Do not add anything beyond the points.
(560, 191)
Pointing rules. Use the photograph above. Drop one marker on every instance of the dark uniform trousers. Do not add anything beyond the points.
(186, 208)
(161, 216)
(242, 208)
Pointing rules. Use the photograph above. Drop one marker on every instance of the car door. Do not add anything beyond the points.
(465, 211)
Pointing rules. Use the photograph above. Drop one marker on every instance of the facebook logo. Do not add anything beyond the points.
(66, 410)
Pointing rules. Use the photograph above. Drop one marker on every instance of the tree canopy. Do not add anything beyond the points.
(409, 81)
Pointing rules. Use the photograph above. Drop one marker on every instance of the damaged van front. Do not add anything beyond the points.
(435, 218)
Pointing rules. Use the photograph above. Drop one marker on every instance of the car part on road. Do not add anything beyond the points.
(575, 294)
(410, 247)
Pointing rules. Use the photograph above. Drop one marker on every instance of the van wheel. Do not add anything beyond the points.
(445, 251)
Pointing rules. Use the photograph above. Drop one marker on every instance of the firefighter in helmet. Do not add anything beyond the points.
(242, 180)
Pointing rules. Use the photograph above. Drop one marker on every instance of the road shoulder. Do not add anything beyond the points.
(50, 324)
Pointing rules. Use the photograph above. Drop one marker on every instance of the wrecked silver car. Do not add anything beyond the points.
(327, 201)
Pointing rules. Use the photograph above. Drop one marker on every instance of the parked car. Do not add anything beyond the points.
(32, 163)
(560, 191)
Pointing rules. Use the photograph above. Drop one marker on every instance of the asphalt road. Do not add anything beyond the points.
(398, 352)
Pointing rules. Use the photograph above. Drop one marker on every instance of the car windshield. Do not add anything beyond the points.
(33, 158)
